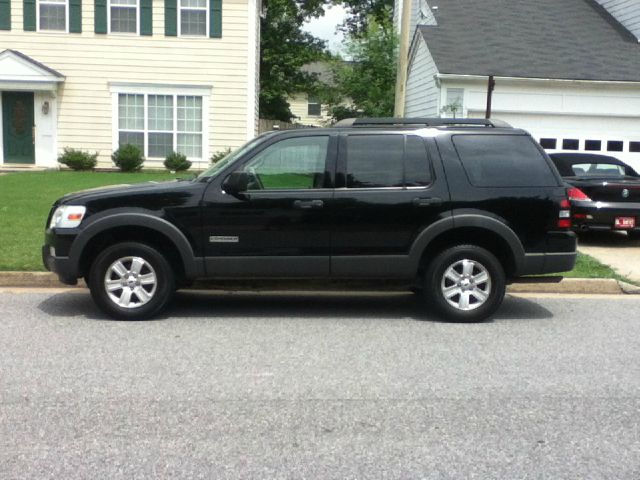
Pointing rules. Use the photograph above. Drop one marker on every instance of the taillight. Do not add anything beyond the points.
(577, 194)
(564, 216)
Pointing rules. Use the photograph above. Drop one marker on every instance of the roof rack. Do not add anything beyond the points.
(427, 122)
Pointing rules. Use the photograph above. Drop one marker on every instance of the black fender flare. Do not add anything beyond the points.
(444, 225)
(138, 219)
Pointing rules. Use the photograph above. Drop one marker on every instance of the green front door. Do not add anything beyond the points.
(17, 127)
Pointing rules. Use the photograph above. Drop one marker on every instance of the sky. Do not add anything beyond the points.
(325, 27)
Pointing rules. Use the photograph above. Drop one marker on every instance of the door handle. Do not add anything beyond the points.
(427, 202)
(308, 204)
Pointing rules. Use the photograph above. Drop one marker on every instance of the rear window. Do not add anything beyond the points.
(598, 170)
(503, 161)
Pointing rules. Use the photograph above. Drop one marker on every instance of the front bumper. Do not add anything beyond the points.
(55, 255)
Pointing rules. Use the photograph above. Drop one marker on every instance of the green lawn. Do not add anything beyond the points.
(25, 200)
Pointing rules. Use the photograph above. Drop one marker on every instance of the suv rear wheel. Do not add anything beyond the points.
(465, 283)
(131, 281)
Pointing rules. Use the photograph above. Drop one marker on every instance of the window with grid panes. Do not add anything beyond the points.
(193, 17)
(52, 15)
(161, 124)
(123, 16)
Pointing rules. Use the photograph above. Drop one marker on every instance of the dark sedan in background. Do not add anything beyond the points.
(604, 193)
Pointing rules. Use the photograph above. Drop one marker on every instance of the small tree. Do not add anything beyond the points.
(128, 158)
(177, 162)
(454, 108)
(78, 159)
(219, 155)
(367, 82)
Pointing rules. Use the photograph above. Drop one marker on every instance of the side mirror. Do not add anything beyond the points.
(236, 183)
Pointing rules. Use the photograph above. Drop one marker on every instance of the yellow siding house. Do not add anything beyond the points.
(166, 75)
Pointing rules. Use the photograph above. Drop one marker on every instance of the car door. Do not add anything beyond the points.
(387, 191)
(279, 226)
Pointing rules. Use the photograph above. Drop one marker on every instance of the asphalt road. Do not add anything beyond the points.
(262, 386)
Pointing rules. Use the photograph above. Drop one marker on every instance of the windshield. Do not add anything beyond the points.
(229, 158)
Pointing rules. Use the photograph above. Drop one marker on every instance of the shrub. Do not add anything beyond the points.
(219, 155)
(177, 162)
(128, 158)
(78, 159)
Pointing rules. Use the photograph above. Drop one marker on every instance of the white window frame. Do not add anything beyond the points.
(207, 10)
(137, 32)
(204, 92)
(66, 16)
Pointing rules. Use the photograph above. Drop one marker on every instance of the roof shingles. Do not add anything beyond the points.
(558, 39)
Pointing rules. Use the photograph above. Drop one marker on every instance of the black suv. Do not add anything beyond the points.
(453, 207)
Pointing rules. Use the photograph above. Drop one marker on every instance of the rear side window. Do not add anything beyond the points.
(503, 161)
(374, 161)
(378, 161)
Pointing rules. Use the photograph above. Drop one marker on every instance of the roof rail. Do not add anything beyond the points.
(427, 122)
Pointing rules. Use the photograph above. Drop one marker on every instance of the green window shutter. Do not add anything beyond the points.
(75, 16)
(146, 17)
(100, 19)
(29, 19)
(215, 18)
(171, 18)
(5, 14)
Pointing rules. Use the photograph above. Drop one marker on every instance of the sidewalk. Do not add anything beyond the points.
(616, 250)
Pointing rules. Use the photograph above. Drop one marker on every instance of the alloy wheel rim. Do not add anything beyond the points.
(466, 285)
(130, 282)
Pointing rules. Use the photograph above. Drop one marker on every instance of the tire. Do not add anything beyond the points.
(480, 280)
(131, 281)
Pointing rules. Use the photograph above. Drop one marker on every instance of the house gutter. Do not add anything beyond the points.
(483, 78)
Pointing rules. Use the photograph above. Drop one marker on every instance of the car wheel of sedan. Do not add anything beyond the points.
(465, 283)
(131, 281)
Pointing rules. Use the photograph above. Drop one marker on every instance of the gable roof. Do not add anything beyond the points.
(29, 62)
(557, 39)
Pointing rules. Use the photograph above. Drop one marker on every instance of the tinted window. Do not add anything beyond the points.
(615, 145)
(503, 161)
(570, 144)
(374, 161)
(548, 143)
(417, 172)
(295, 163)
(634, 147)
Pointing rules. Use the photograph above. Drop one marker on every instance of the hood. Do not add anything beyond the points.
(82, 197)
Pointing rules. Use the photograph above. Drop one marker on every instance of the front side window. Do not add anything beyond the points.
(295, 163)
(53, 15)
(123, 16)
(193, 17)
(161, 124)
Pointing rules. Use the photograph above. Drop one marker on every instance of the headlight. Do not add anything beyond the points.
(67, 216)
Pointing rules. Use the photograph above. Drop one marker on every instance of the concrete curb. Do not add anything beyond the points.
(564, 286)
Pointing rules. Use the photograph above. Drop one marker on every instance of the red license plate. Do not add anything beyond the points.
(625, 222)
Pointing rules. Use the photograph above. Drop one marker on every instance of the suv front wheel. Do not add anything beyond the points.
(465, 283)
(131, 281)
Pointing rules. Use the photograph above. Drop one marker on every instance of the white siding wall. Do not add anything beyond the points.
(421, 14)
(422, 97)
(299, 107)
(575, 110)
(627, 12)
(92, 61)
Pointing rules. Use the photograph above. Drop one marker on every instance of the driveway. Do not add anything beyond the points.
(613, 249)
